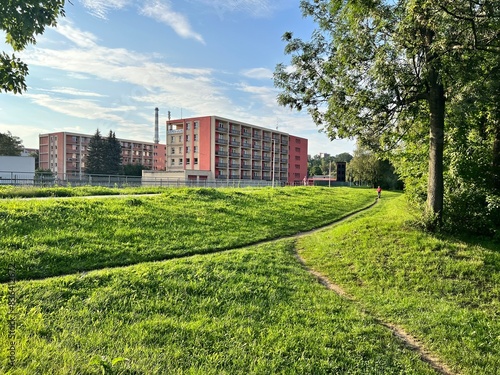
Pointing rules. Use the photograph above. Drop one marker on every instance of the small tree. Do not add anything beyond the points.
(10, 145)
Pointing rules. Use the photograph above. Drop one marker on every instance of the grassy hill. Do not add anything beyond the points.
(188, 304)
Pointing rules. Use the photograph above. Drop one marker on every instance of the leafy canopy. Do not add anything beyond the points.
(22, 21)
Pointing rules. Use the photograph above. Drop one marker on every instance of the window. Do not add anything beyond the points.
(188, 161)
(188, 149)
(187, 137)
(180, 138)
(172, 150)
(195, 148)
(195, 125)
(180, 150)
(297, 149)
(195, 137)
(172, 161)
(297, 157)
(180, 161)
(188, 125)
(195, 161)
(172, 139)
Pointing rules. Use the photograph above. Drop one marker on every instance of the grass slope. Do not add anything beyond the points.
(50, 237)
(444, 291)
(248, 311)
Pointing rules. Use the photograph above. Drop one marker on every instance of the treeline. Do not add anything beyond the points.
(364, 168)
(105, 157)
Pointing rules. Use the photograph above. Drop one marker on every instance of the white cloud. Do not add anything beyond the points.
(81, 108)
(162, 12)
(81, 38)
(74, 92)
(100, 8)
(258, 73)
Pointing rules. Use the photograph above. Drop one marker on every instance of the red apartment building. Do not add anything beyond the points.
(213, 147)
(64, 153)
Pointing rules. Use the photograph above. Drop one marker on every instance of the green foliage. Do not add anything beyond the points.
(104, 155)
(444, 291)
(134, 169)
(376, 70)
(10, 145)
(22, 21)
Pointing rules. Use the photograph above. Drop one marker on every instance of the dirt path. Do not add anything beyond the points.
(408, 340)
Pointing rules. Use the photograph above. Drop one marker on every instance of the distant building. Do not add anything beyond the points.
(217, 148)
(65, 153)
(17, 170)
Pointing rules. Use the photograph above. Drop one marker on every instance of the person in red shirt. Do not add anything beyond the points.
(379, 190)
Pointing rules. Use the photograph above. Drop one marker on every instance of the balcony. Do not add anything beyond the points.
(221, 165)
(256, 146)
(221, 153)
(222, 129)
(267, 138)
(222, 177)
(266, 168)
(266, 148)
(234, 154)
(283, 169)
(257, 168)
(235, 131)
(247, 145)
(234, 177)
(257, 157)
(221, 141)
(175, 131)
(246, 166)
(284, 160)
(234, 166)
(246, 156)
(246, 133)
(266, 158)
(234, 143)
(284, 142)
(257, 136)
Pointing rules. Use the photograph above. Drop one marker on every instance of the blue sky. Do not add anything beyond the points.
(107, 65)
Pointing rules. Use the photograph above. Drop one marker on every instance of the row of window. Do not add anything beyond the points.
(188, 150)
(180, 161)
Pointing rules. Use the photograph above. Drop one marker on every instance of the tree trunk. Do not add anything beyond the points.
(435, 187)
(496, 160)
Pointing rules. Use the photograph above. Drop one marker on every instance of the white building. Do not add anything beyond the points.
(17, 170)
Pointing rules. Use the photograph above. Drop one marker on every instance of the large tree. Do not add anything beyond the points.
(382, 71)
(10, 145)
(113, 156)
(22, 21)
(104, 156)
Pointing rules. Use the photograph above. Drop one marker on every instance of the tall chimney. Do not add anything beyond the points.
(157, 135)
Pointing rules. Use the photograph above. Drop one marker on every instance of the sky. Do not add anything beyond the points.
(107, 65)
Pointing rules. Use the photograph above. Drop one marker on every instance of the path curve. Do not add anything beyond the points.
(408, 340)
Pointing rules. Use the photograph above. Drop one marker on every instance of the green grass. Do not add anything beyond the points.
(8, 191)
(51, 237)
(248, 311)
(444, 291)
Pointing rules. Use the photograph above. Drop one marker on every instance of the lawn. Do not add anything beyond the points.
(50, 237)
(248, 311)
(443, 290)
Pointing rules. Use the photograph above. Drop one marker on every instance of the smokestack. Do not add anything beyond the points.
(157, 135)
